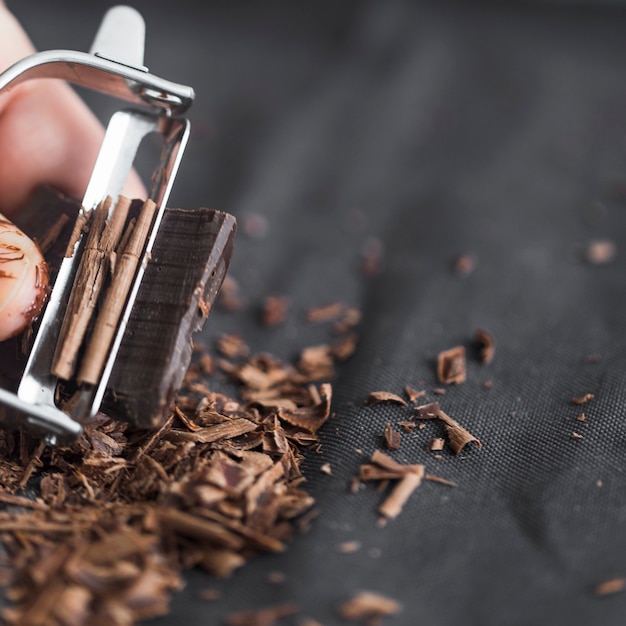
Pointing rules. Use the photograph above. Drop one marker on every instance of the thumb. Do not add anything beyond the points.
(48, 136)
(23, 280)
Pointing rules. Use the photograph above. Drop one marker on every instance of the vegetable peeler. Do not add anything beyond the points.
(113, 66)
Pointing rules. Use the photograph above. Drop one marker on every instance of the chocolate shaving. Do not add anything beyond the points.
(316, 363)
(119, 514)
(232, 346)
(378, 397)
(392, 437)
(326, 468)
(451, 366)
(262, 617)
(348, 547)
(107, 318)
(369, 606)
(102, 239)
(393, 504)
(583, 399)
(383, 468)
(311, 418)
(325, 313)
(275, 309)
(440, 480)
(458, 436)
(385, 461)
(344, 348)
(414, 394)
(427, 411)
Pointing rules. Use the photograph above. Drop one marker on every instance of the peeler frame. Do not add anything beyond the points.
(114, 66)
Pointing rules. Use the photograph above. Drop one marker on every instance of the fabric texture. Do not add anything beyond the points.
(428, 131)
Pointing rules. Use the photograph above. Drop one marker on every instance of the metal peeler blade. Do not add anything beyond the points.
(114, 67)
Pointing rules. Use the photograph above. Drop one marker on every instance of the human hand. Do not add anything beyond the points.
(48, 136)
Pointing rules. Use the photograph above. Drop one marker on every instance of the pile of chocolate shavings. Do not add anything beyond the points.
(104, 528)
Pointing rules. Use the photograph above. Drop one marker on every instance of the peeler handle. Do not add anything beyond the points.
(114, 67)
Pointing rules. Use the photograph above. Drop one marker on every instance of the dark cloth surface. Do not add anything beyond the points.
(435, 130)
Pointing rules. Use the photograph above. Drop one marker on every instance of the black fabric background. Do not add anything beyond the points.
(439, 129)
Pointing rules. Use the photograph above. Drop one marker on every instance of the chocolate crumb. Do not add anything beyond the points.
(451, 365)
(326, 469)
(608, 587)
(275, 309)
(326, 313)
(600, 252)
(317, 362)
(486, 345)
(458, 436)
(427, 411)
(413, 394)
(464, 264)
(344, 348)
(348, 547)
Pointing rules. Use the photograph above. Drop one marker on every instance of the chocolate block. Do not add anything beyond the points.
(189, 261)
